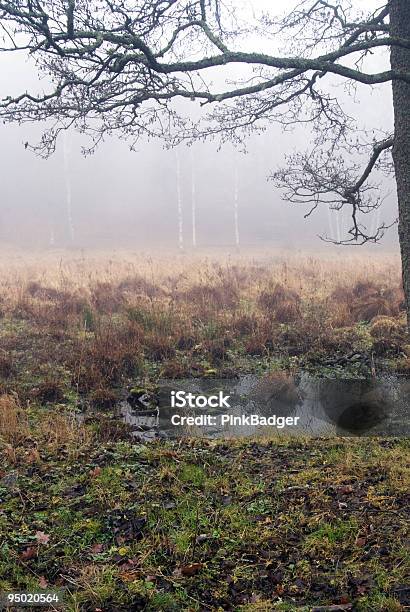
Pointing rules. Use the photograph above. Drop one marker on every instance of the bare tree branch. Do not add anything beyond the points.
(323, 179)
(117, 66)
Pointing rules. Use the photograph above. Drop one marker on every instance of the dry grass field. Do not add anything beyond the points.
(88, 323)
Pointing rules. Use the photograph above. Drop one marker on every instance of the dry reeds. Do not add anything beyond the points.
(14, 426)
(23, 440)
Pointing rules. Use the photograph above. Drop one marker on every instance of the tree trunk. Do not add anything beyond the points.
(235, 205)
(400, 60)
(67, 179)
(179, 204)
(193, 199)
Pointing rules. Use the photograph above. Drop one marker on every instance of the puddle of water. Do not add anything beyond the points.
(325, 407)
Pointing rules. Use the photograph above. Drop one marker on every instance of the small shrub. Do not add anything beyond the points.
(103, 399)
(365, 289)
(271, 300)
(244, 324)
(34, 289)
(340, 339)
(140, 286)
(293, 340)
(213, 296)
(258, 343)
(158, 347)
(386, 347)
(185, 343)
(217, 349)
(340, 314)
(382, 327)
(341, 295)
(155, 317)
(174, 368)
(48, 391)
(369, 307)
(403, 366)
(106, 297)
(6, 364)
(287, 312)
(106, 429)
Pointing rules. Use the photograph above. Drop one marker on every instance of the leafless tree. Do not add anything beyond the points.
(119, 65)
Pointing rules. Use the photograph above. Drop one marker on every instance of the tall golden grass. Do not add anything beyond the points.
(51, 433)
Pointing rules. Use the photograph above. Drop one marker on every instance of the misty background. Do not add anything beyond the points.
(122, 198)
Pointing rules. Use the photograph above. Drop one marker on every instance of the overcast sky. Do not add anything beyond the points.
(124, 198)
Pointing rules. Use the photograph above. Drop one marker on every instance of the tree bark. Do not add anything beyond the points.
(400, 60)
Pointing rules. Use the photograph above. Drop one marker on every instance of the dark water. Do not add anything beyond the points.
(325, 407)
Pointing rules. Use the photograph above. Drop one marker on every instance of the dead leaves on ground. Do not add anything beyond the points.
(29, 553)
(32, 551)
(42, 538)
(191, 569)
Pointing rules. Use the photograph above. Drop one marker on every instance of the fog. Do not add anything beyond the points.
(122, 198)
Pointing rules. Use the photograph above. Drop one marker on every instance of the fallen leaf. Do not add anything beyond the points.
(43, 584)
(191, 569)
(42, 538)
(127, 565)
(128, 576)
(346, 489)
(29, 553)
(97, 548)
(360, 541)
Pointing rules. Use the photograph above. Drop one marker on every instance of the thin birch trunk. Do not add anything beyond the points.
(193, 199)
(67, 179)
(179, 204)
(235, 205)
